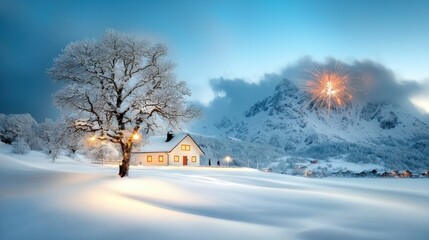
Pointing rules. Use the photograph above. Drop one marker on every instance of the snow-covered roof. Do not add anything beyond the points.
(158, 143)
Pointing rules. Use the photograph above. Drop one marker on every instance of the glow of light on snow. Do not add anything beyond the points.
(194, 203)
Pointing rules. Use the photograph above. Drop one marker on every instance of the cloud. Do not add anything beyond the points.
(234, 96)
(375, 82)
(370, 80)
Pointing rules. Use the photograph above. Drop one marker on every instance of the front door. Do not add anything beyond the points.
(185, 160)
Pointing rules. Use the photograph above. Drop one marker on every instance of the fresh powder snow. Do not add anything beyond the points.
(72, 199)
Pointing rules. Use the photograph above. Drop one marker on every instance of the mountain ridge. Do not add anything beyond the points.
(375, 132)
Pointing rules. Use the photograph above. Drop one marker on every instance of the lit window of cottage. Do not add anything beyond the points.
(185, 147)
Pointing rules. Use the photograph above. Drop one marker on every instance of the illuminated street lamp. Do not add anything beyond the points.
(136, 136)
(227, 160)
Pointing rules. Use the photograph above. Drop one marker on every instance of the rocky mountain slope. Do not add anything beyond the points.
(369, 132)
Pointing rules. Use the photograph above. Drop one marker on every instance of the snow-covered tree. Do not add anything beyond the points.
(16, 126)
(54, 136)
(117, 85)
(20, 147)
(61, 134)
(73, 139)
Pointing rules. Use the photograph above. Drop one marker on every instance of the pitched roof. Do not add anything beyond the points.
(158, 143)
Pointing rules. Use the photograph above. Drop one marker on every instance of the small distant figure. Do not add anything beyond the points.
(210, 162)
(218, 162)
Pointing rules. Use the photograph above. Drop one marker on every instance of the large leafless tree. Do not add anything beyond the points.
(118, 85)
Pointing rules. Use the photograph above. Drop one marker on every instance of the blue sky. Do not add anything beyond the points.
(211, 39)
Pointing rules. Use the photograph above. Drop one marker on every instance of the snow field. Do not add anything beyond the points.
(76, 200)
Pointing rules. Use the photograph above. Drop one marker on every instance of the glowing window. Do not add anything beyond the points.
(185, 147)
(149, 158)
(160, 158)
(194, 159)
(176, 158)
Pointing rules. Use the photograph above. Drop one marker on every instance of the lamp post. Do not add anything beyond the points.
(227, 160)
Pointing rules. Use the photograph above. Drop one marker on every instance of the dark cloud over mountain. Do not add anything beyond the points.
(370, 80)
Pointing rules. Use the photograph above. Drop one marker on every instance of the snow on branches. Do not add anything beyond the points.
(118, 84)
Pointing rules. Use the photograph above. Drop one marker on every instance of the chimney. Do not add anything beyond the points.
(169, 136)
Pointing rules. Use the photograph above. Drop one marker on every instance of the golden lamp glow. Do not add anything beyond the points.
(136, 136)
(227, 160)
(92, 139)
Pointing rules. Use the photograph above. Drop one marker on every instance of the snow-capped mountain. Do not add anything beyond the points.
(370, 132)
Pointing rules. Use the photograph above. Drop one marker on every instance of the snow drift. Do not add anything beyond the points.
(76, 200)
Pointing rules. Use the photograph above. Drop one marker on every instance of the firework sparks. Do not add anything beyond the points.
(329, 89)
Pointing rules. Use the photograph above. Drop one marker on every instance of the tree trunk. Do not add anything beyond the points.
(126, 157)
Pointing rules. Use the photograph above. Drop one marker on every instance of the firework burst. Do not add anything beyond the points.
(329, 88)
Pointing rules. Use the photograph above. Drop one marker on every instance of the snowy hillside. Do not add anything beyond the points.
(368, 132)
(76, 200)
(244, 153)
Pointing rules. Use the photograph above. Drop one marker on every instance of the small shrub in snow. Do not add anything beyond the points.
(20, 147)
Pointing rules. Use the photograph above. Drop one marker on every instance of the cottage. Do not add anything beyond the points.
(406, 174)
(394, 173)
(171, 150)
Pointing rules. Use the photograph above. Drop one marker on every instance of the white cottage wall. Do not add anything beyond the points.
(193, 152)
(142, 159)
